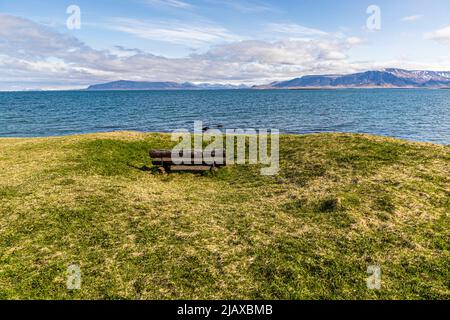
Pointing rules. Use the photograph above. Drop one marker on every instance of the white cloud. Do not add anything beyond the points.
(293, 29)
(412, 18)
(193, 35)
(170, 3)
(440, 35)
(243, 6)
(354, 41)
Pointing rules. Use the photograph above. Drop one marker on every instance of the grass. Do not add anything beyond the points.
(340, 203)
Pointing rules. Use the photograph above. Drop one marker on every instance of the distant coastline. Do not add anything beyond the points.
(385, 79)
(390, 78)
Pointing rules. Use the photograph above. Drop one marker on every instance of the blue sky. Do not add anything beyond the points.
(226, 41)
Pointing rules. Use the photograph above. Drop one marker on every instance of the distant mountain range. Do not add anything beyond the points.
(144, 85)
(388, 78)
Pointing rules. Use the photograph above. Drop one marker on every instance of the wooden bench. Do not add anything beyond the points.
(163, 159)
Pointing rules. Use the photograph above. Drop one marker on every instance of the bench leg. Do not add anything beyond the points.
(162, 170)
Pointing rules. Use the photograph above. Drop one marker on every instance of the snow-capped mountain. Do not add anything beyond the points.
(387, 78)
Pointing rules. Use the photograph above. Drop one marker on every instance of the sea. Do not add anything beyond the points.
(412, 114)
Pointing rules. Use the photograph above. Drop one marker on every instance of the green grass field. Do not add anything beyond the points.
(340, 203)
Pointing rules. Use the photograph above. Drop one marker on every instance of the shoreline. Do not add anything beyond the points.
(242, 89)
(331, 133)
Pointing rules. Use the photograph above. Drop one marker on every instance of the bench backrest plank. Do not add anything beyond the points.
(164, 157)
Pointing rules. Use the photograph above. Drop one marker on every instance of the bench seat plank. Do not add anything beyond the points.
(189, 168)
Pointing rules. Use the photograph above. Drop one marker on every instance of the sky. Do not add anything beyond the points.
(57, 44)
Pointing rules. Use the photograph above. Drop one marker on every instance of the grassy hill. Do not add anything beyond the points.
(340, 203)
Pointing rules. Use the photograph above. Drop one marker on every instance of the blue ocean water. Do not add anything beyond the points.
(418, 115)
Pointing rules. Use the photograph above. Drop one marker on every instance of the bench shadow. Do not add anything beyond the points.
(144, 168)
(155, 170)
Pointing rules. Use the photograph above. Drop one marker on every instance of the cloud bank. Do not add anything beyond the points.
(440, 35)
(35, 56)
